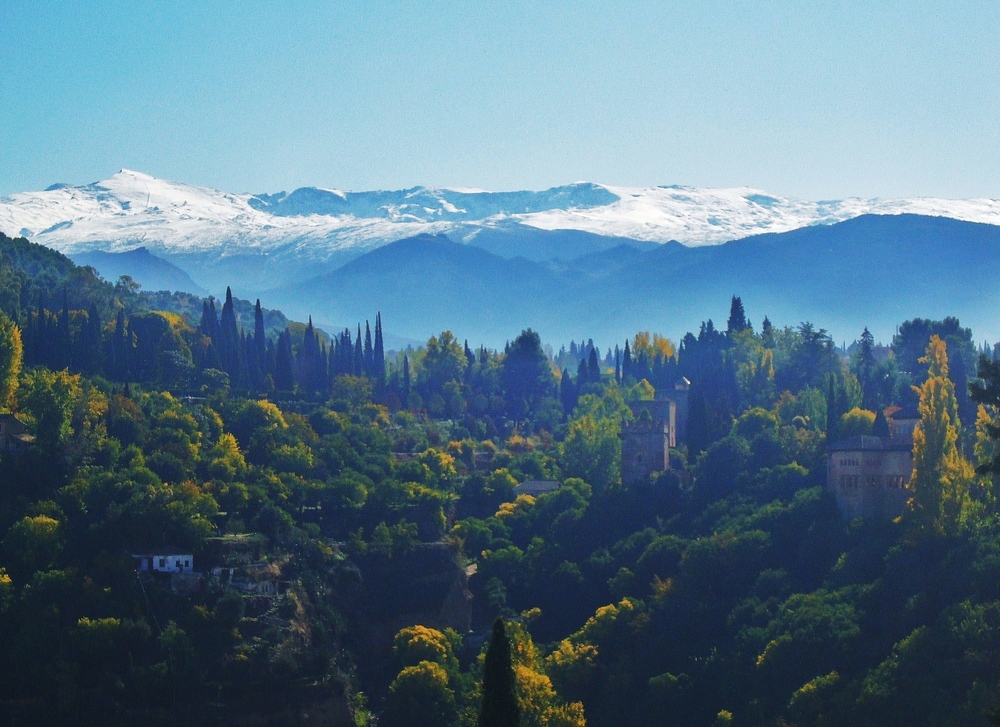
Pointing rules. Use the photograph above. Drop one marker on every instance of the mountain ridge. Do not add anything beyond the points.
(874, 271)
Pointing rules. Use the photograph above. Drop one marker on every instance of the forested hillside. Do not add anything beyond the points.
(355, 531)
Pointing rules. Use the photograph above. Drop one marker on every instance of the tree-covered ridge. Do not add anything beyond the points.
(342, 504)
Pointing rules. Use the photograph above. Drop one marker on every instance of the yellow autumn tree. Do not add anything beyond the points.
(987, 450)
(10, 360)
(415, 644)
(941, 476)
(541, 705)
(653, 345)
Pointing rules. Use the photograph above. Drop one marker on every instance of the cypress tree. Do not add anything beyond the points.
(470, 360)
(697, 424)
(228, 343)
(307, 358)
(333, 358)
(626, 362)
(90, 342)
(322, 383)
(618, 365)
(594, 368)
(359, 356)
(832, 407)
(284, 377)
(567, 392)
(208, 319)
(270, 361)
(499, 707)
(369, 353)
(118, 349)
(259, 337)
(251, 361)
(406, 380)
(379, 354)
(64, 357)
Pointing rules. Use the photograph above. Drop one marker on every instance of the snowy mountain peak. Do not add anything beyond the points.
(132, 208)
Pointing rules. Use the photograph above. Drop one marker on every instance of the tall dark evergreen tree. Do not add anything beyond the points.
(767, 333)
(284, 364)
(593, 367)
(119, 349)
(89, 349)
(406, 380)
(311, 361)
(369, 353)
(259, 336)
(209, 325)
(864, 366)
(379, 352)
(255, 372)
(499, 707)
(270, 364)
(626, 363)
(698, 434)
(359, 356)
(227, 345)
(737, 317)
(567, 392)
(64, 344)
(582, 374)
(836, 405)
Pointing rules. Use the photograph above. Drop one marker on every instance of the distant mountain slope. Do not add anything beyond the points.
(540, 245)
(152, 272)
(426, 284)
(872, 270)
(269, 239)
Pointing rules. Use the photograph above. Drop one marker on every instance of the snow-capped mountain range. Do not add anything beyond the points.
(132, 209)
(579, 258)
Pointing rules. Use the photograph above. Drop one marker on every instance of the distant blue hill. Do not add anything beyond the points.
(872, 270)
(151, 272)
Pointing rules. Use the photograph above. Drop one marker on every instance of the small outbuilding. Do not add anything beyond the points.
(14, 435)
(536, 487)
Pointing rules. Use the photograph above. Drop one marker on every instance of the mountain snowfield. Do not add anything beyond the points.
(132, 209)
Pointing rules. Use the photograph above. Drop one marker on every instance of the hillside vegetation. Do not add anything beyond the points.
(355, 530)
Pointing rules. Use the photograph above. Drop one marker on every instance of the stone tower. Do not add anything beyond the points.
(645, 448)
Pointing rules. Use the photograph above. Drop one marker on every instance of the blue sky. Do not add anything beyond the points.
(817, 100)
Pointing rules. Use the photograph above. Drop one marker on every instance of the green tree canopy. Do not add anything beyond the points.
(526, 375)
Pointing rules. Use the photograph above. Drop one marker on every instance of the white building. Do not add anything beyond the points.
(165, 560)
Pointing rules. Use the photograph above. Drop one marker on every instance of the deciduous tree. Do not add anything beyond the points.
(941, 475)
